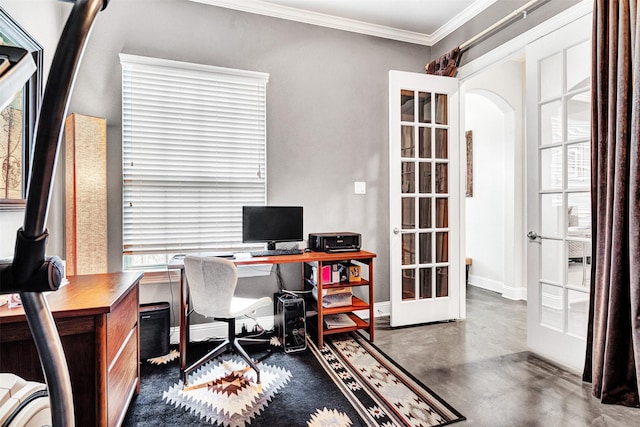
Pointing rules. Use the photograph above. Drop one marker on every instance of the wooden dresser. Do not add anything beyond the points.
(97, 318)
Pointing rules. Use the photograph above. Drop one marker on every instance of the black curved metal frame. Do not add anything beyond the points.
(31, 273)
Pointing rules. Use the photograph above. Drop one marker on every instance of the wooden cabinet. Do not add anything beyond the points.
(363, 259)
(97, 319)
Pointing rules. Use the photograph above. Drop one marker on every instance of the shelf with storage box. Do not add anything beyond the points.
(333, 278)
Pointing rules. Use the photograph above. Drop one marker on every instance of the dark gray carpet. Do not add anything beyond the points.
(308, 390)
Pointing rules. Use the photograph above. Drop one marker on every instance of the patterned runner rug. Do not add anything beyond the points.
(382, 392)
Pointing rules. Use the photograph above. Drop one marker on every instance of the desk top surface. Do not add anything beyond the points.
(84, 295)
(177, 262)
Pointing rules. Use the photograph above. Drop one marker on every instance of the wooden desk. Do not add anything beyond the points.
(97, 319)
(317, 258)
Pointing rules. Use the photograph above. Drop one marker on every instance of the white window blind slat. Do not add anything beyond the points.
(194, 153)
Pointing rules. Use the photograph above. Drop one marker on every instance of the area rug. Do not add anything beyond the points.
(383, 393)
(224, 391)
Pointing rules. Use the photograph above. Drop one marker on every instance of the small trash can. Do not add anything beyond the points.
(154, 330)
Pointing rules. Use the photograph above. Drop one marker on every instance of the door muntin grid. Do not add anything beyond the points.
(424, 181)
(563, 194)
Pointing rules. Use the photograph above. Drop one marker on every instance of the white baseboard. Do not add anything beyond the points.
(205, 331)
(515, 293)
(509, 292)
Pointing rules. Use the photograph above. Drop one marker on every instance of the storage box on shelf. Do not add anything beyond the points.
(333, 278)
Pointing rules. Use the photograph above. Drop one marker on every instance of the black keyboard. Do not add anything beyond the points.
(277, 252)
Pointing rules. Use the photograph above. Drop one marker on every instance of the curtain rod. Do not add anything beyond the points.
(507, 20)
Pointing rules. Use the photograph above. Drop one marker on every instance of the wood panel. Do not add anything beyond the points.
(86, 194)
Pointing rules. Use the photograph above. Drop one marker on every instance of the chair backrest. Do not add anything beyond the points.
(212, 283)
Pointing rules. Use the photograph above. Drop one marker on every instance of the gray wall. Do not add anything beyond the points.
(327, 113)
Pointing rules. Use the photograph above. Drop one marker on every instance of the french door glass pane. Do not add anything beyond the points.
(578, 312)
(551, 168)
(424, 149)
(426, 283)
(578, 263)
(579, 67)
(424, 107)
(442, 282)
(442, 109)
(424, 180)
(579, 214)
(551, 123)
(425, 256)
(551, 212)
(408, 284)
(552, 262)
(442, 247)
(408, 179)
(424, 208)
(408, 249)
(578, 165)
(407, 144)
(579, 116)
(442, 212)
(406, 105)
(408, 213)
(552, 306)
(442, 144)
(442, 178)
(550, 77)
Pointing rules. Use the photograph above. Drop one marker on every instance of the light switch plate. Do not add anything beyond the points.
(360, 187)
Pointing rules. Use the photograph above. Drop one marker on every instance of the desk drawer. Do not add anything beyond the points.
(120, 321)
(122, 379)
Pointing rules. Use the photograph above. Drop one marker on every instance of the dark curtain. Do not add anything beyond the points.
(446, 65)
(613, 339)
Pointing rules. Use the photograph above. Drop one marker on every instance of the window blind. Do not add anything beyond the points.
(194, 152)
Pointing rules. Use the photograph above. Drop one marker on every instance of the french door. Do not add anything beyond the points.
(558, 193)
(424, 194)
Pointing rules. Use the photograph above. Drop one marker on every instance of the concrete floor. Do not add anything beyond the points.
(481, 366)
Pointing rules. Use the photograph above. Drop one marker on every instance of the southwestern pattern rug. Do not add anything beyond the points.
(348, 383)
(382, 392)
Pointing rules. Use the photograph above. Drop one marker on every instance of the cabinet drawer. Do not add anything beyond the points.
(120, 321)
(122, 378)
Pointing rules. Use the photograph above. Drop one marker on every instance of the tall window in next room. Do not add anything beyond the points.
(194, 152)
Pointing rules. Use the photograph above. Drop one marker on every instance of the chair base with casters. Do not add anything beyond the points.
(212, 282)
(231, 343)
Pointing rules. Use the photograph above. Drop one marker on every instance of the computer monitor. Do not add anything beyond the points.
(271, 224)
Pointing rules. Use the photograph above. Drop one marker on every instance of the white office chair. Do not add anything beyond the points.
(212, 283)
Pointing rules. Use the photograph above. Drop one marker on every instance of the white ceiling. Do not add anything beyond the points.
(417, 21)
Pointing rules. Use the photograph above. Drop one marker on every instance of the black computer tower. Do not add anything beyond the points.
(290, 322)
(154, 330)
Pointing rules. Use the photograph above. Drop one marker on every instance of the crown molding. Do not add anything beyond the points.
(460, 19)
(324, 20)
